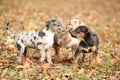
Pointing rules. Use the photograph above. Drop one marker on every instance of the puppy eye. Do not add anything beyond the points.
(77, 30)
(58, 25)
(53, 20)
(75, 21)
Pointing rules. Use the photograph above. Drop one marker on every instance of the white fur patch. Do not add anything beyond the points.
(74, 41)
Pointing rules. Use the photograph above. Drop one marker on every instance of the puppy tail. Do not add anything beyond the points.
(7, 29)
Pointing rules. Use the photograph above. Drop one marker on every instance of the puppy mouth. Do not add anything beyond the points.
(69, 23)
(77, 35)
(73, 33)
(70, 26)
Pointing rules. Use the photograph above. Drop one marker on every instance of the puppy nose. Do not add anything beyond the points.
(69, 23)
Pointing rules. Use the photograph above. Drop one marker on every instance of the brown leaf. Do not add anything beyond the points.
(23, 58)
(114, 59)
(1, 64)
(45, 65)
(52, 76)
(10, 47)
(98, 60)
(19, 67)
(3, 73)
(105, 77)
(4, 61)
(3, 79)
(117, 51)
(106, 54)
(9, 43)
(91, 72)
(80, 71)
(28, 63)
(9, 39)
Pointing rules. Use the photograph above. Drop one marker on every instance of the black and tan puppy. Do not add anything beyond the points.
(88, 44)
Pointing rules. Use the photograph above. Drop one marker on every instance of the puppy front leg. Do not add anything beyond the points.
(43, 54)
(94, 58)
(48, 52)
(83, 57)
(76, 57)
(57, 49)
(64, 53)
(21, 55)
(74, 48)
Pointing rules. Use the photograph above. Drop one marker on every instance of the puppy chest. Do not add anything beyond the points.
(74, 41)
(48, 40)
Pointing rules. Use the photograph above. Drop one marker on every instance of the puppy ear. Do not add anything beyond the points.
(81, 23)
(88, 30)
(78, 30)
(47, 23)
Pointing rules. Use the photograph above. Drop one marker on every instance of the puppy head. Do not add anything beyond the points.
(83, 29)
(54, 24)
(74, 23)
(80, 31)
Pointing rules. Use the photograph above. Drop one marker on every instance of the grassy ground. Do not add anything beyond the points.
(101, 16)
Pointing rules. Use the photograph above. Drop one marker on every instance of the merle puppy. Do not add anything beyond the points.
(88, 44)
(64, 39)
(41, 40)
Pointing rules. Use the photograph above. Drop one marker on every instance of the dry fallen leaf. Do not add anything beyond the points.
(52, 76)
(117, 51)
(19, 66)
(57, 79)
(91, 72)
(4, 61)
(9, 43)
(9, 39)
(80, 71)
(114, 59)
(98, 60)
(26, 64)
(3, 73)
(3, 79)
(106, 54)
(45, 65)
(23, 58)
(10, 47)
(1, 64)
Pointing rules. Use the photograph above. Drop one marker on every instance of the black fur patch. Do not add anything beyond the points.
(41, 34)
(8, 23)
(72, 34)
(32, 42)
(39, 43)
(22, 41)
(6, 28)
(18, 46)
(25, 52)
(34, 37)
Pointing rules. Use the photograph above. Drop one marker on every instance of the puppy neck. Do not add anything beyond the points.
(48, 31)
